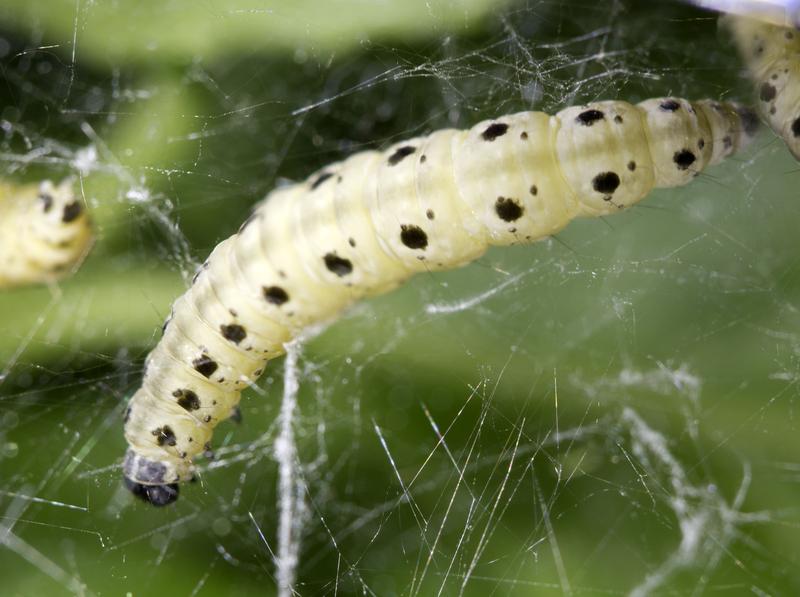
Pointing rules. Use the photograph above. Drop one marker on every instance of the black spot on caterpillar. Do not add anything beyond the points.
(187, 399)
(606, 183)
(71, 212)
(164, 436)
(684, 158)
(310, 253)
(44, 233)
(204, 365)
(508, 209)
(275, 295)
(320, 179)
(413, 237)
(233, 332)
(772, 56)
(338, 265)
(494, 130)
(589, 117)
(669, 105)
(768, 92)
(399, 154)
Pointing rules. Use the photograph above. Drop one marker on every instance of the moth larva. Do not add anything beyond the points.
(772, 56)
(44, 232)
(362, 226)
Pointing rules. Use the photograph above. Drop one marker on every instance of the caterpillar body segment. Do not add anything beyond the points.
(772, 56)
(362, 226)
(45, 233)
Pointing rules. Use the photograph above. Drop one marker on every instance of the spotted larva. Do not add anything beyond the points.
(362, 226)
(772, 56)
(44, 232)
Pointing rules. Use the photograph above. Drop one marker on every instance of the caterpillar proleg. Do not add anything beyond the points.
(362, 226)
(772, 56)
(44, 232)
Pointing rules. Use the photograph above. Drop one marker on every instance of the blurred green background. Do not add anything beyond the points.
(618, 416)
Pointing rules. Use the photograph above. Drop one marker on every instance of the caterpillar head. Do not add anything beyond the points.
(157, 495)
(149, 480)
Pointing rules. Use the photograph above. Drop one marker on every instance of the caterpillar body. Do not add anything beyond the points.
(362, 226)
(45, 232)
(772, 56)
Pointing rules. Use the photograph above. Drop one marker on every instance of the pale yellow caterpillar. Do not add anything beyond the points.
(772, 56)
(45, 232)
(362, 226)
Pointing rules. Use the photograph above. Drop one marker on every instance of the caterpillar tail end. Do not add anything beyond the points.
(156, 495)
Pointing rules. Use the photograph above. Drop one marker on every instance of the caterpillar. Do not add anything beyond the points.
(362, 226)
(772, 56)
(45, 232)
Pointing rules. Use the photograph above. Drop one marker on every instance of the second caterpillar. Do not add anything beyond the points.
(45, 233)
(362, 226)
(772, 55)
